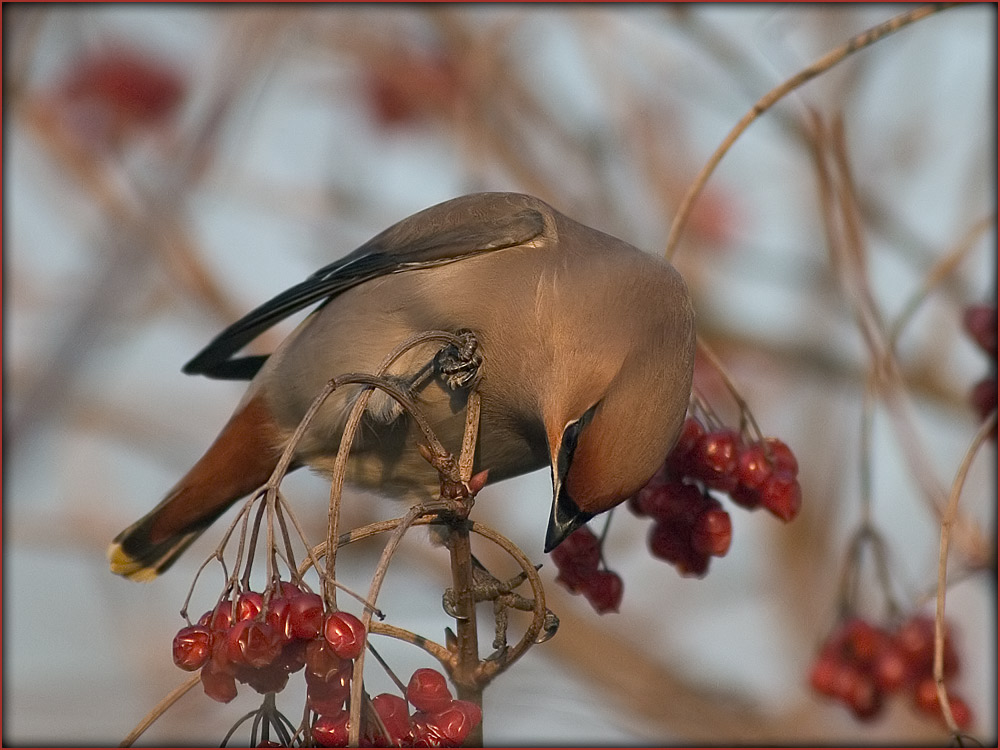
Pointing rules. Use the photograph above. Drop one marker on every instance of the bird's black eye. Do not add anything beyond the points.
(571, 434)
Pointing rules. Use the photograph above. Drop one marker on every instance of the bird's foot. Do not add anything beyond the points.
(458, 364)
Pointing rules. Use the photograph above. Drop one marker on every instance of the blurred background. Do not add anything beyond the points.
(168, 168)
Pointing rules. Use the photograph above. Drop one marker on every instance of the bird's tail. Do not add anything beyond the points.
(239, 461)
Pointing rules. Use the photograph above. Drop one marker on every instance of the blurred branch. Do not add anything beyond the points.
(823, 64)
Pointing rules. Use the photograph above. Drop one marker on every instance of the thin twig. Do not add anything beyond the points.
(159, 709)
(821, 65)
(946, 523)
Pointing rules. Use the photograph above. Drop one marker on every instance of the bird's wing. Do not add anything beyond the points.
(444, 233)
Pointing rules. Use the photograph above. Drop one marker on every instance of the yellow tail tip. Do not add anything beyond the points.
(124, 564)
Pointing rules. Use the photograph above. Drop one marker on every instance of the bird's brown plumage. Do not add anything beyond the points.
(587, 347)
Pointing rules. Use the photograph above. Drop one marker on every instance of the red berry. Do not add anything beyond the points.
(322, 664)
(327, 698)
(782, 496)
(252, 643)
(395, 715)
(673, 544)
(890, 670)
(305, 615)
(331, 731)
(915, 641)
(925, 696)
(746, 497)
(127, 81)
(577, 558)
(679, 459)
(192, 647)
(753, 467)
(287, 589)
(863, 640)
(984, 399)
(269, 679)
(424, 732)
(604, 591)
(218, 685)
(248, 605)
(960, 712)
(277, 617)
(345, 633)
(715, 459)
(712, 532)
(980, 321)
(457, 720)
(293, 656)
(672, 502)
(782, 458)
(865, 700)
(824, 674)
(428, 690)
(219, 619)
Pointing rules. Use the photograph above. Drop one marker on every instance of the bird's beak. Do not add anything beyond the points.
(566, 516)
(564, 519)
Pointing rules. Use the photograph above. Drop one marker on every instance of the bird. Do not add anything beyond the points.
(587, 357)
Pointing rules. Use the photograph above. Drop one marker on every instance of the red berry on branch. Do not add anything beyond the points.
(680, 458)
(219, 619)
(456, 721)
(890, 670)
(248, 605)
(746, 497)
(305, 615)
(252, 643)
(673, 544)
(984, 399)
(269, 679)
(218, 685)
(287, 589)
(323, 665)
(577, 558)
(192, 647)
(715, 459)
(277, 616)
(395, 715)
(424, 732)
(824, 674)
(328, 698)
(980, 322)
(865, 700)
(925, 696)
(604, 590)
(712, 532)
(960, 711)
(345, 633)
(331, 731)
(782, 496)
(293, 656)
(863, 640)
(753, 466)
(428, 690)
(782, 458)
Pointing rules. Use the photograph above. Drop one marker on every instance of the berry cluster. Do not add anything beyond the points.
(578, 559)
(980, 323)
(860, 664)
(689, 524)
(439, 719)
(259, 639)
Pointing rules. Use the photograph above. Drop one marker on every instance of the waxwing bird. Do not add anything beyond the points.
(587, 348)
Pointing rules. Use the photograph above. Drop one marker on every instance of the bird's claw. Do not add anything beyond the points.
(459, 363)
